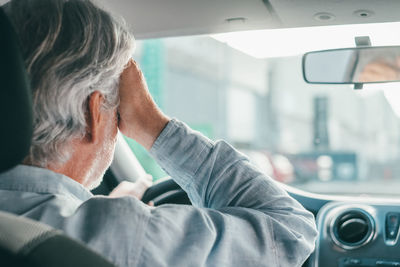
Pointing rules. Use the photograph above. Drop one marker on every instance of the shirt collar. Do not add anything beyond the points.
(40, 180)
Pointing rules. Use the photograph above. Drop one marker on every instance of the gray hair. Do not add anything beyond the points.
(71, 49)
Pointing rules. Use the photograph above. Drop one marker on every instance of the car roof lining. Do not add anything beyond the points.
(164, 18)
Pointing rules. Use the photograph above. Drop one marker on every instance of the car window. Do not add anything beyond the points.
(320, 138)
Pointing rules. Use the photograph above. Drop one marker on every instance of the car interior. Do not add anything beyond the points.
(305, 89)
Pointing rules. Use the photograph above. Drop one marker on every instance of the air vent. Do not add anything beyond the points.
(353, 229)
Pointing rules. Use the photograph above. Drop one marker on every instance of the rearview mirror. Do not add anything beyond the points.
(357, 65)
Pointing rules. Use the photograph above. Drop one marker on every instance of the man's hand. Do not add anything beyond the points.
(140, 118)
(380, 71)
(136, 189)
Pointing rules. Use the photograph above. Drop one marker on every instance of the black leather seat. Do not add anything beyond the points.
(24, 242)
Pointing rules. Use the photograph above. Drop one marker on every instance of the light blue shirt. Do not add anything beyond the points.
(239, 217)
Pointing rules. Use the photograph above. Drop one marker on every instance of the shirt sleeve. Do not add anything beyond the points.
(239, 215)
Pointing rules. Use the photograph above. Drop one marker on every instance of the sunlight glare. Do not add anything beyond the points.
(297, 41)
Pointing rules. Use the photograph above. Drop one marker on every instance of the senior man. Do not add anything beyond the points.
(84, 88)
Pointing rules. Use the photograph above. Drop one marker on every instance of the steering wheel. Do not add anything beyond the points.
(167, 191)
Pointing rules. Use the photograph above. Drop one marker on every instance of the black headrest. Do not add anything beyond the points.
(15, 99)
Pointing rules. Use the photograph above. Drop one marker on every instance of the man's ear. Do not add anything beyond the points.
(94, 117)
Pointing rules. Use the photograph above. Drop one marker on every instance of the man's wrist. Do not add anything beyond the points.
(151, 129)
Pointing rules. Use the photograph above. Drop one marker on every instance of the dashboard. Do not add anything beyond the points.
(353, 231)
(357, 234)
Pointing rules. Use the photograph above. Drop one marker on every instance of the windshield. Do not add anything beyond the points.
(319, 138)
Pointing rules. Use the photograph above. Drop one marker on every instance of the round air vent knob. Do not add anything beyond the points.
(352, 229)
